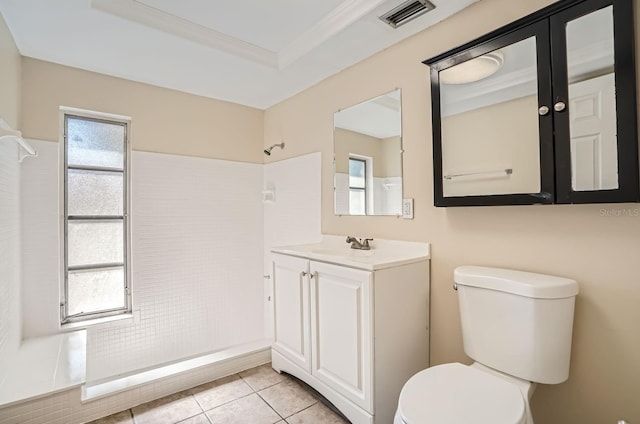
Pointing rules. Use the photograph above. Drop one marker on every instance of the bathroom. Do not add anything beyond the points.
(204, 229)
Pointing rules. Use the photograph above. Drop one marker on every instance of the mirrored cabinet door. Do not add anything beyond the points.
(488, 141)
(595, 103)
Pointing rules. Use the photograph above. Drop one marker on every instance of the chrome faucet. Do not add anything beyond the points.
(359, 244)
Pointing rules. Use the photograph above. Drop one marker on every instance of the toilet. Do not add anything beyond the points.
(517, 328)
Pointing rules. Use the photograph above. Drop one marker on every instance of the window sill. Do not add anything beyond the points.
(112, 321)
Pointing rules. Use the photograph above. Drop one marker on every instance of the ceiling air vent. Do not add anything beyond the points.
(406, 12)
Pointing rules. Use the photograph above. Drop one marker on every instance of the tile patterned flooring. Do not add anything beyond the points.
(256, 396)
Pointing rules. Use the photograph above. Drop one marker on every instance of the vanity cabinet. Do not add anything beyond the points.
(542, 110)
(355, 335)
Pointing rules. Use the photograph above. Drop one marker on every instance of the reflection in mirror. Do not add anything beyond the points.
(489, 126)
(368, 157)
(592, 103)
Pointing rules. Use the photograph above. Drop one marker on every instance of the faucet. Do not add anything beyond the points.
(359, 244)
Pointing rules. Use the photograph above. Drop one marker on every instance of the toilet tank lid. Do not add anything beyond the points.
(528, 284)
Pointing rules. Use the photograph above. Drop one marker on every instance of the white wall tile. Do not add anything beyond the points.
(295, 215)
(10, 332)
(40, 235)
(200, 233)
(196, 252)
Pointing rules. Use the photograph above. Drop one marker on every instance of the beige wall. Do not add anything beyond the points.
(580, 241)
(392, 155)
(163, 120)
(9, 77)
(385, 152)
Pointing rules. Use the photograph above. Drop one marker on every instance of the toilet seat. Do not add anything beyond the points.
(458, 394)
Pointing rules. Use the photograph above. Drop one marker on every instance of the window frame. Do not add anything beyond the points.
(365, 187)
(87, 317)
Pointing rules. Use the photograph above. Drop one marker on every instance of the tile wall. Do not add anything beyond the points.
(293, 216)
(10, 332)
(201, 236)
(196, 253)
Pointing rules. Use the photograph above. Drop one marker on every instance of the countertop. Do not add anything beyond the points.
(383, 253)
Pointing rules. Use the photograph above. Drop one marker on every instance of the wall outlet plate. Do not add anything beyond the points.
(407, 208)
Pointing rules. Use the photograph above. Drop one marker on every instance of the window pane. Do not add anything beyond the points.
(356, 173)
(357, 203)
(95, 192)
(96, 242)
(94, 143)
(94, 291)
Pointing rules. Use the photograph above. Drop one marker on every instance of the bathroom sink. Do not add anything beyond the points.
(335, 251)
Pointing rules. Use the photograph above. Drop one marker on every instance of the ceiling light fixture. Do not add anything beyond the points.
(473, 70)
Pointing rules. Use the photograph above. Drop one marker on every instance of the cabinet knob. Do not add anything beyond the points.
(303, 274)
(543, 110)
(559, 107)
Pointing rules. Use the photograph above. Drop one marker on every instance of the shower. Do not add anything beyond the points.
(267, 151)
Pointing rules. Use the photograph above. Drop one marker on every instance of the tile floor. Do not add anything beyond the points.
(256, 396)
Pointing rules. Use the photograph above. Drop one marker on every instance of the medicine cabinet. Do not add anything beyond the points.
(542, 110)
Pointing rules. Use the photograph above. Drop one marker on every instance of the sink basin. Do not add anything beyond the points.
(336, 251)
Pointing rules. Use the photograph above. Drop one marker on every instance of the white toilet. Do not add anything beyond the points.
(517, 327)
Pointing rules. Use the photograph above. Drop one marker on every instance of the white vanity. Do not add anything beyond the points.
(353, 324)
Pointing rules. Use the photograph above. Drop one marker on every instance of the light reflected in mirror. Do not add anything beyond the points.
(489, 123)
(592, 103)
(368, 157)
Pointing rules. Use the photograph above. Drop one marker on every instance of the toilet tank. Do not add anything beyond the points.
(517, 322)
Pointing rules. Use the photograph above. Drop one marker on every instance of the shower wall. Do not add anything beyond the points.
(9, 253)
(197, 254)
(197, 251)
(292, 216)
(10, 85)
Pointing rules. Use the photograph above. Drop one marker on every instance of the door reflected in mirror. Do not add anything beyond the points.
(592, 102)
(368, 157)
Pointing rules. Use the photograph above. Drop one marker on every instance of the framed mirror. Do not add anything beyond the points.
(367, 157)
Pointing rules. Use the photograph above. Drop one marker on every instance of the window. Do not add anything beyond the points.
(357, 186)
(96, 269)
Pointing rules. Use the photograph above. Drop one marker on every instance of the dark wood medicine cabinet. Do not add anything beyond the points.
(540, 111)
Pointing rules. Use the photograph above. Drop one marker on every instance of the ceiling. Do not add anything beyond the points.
(252, 52)
(380, 117)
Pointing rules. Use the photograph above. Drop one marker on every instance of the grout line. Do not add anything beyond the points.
(303, 409)
(224, 403)
(253, 391)
(268, 404)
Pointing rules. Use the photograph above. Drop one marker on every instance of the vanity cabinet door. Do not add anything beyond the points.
(291, 309)
(341, 331)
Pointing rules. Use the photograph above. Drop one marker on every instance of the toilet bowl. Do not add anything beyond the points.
(517, 326)
(461, 394)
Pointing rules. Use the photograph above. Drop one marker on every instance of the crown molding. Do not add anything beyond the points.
(145, 15)
(338, 19)
(348, 12)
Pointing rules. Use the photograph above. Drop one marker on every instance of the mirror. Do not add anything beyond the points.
(592, 102)
(367, 146)
(489, 123)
